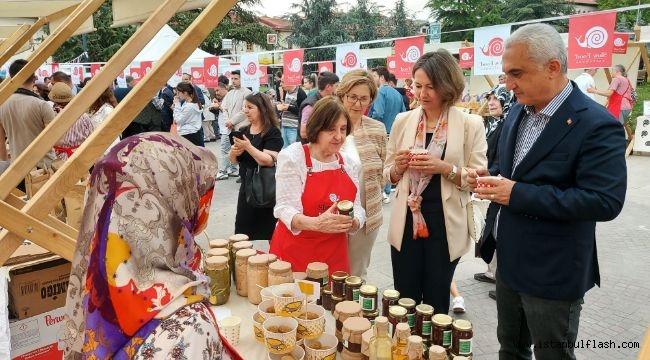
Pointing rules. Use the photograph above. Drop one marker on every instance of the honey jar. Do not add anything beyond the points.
(461, 338)
(389, 298)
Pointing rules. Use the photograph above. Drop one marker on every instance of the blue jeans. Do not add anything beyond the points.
(289, 135)
(526, 321)
(225, 165)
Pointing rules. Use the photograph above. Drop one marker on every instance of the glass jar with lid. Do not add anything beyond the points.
(338, 283)
(218, 243)
(396, 315)
(241, 269)
(280, 273)
(409, 305)
(462, 334)
(216, 267)
(257, 277)
(423, 314)
(441, 330)
(368, 298)
(352, 286)
(389, 298)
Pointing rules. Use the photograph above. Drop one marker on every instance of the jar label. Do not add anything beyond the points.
(367, 303)
(446, 338)
(426, 328)
(464, 346)
(411, 320)
(355, 295)
(326, 280)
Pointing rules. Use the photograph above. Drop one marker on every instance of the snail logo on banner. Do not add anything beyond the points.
(197, 75)
(489, 44)
(293, 67)
(407, 52)
(250, 77)
(264, 75)
(325, 66)
(391, 64)
(466, 57)
(591, 40)
(211, 71)
(347, 58)
(94, 68)
(620, 43)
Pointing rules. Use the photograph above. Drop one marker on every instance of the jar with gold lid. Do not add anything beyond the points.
(409, 305)
(280, 273)
(461, 338)
(345, 207)
(216, 267)
(257, 277)
(396, 315)
(241, 269)
(423, 314)
(368, 298)
(352, 286)
(326, 295)
(338, 283)
(389, 298)
(441, 331)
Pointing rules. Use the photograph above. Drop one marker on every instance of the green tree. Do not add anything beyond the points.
(102, 44)
(363, 21)
(240, 24)
(522, 10)
(465, 14)
(316, 23)
(626, 20)
(401, 25)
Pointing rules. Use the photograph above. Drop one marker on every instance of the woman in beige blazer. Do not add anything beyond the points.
(428, 229)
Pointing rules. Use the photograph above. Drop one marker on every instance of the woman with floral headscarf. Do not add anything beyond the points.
(498, 104)
(136, 289)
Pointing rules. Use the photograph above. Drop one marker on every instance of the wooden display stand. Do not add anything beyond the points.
(30, 220)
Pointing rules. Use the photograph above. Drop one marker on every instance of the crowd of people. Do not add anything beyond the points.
(546, 156)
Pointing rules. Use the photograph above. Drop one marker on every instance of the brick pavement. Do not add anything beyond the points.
(618, 311)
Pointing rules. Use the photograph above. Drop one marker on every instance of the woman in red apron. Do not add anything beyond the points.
(310, 180)
(619, 93)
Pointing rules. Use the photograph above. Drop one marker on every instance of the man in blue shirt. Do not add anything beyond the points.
(388, 104)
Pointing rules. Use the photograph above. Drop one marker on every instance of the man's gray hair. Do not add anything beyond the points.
(544, 44)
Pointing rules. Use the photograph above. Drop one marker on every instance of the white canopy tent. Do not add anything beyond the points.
(162, 41)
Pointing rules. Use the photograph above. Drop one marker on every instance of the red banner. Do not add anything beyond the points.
(136, 74)
(197, 75)
(146, 66)
(391, 64)
(591, 40)
(264, 75)
(466, 57)
(407, 52)
(94, 68)
(293, 67)
(620, 43)
(211, 71)
(325, 66)
(55, 67)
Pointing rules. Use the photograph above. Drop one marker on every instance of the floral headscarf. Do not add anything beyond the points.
(136, 261)
(505, 98)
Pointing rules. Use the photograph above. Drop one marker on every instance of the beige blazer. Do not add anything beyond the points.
(466, 148)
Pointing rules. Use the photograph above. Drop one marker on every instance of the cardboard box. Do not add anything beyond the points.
(37, 337)
(38, 286)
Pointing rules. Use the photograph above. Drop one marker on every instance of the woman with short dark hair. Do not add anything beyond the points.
(311, 180)
(187, 113)
(430, 151)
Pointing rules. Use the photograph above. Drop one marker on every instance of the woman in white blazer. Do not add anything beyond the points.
(428, 229)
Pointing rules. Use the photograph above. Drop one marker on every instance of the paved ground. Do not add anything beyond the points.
(617, 312)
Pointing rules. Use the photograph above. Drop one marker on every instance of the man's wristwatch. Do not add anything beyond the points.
(452, 174)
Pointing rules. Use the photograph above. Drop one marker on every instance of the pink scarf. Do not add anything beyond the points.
(418, 181)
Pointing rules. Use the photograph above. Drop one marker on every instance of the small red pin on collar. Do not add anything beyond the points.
(569, 122)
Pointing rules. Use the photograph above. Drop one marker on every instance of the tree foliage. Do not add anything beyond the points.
(362, 21)
(316, 23)
(626, 20)
(240, 25)
(401, 25)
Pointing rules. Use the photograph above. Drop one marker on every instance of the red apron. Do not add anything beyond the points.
(322, 189)
(614, 103)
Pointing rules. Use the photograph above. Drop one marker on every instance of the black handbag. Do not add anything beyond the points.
(260, 186)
